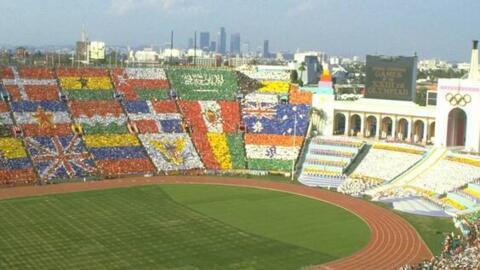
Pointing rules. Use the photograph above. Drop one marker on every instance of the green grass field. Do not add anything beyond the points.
(175, 227)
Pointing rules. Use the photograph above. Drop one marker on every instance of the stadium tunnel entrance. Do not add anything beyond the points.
(457, 127)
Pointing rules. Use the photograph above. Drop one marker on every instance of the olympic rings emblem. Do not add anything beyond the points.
(458, 99)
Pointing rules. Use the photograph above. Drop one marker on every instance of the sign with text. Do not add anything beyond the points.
(391, 77)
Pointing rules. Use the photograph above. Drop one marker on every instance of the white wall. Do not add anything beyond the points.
(325, 102)
(472, 109)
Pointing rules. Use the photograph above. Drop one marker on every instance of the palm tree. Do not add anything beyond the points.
(302, 69)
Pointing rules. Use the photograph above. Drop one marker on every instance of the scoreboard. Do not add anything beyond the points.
(391, 77)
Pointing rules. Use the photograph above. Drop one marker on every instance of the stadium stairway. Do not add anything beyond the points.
(429, 159)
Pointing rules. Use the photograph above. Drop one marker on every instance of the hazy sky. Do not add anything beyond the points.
(432, 28)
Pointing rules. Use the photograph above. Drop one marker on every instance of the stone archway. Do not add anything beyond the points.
(418, 131)
(355, 124)
(339, 123)
(402, 129)
(386, 128)
(371, 126)
(457, 127)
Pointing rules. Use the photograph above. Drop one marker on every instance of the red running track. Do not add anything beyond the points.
(394, 242)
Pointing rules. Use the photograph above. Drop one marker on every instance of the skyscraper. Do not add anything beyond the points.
(235, 43)
(205, 41)
(213, 46)
(222, 41)
(266, 52)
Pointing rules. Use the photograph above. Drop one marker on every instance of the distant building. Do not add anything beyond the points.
(213, 46)
(205, 41)
(147, 55)
(21, 52)
(266, 50)
(245, 48)
(235, 43)
(434, 64)
(81, 48)
(222, 41)
(299, 57)
(96, 50)
(190, 43)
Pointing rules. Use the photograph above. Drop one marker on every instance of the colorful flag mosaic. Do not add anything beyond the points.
(86, 83)
(42, 118)
(141, 83)
(30, 83)
(60, 157)
(154, 116)
(214, 132)
(15, 167)
(171, 152)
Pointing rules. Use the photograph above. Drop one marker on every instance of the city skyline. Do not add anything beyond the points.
(433, 29)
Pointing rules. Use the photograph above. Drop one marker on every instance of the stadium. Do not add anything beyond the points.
(215, 168)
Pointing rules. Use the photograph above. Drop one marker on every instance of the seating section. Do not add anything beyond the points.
(446, 176)
(265, 74)
(203, 84)
(385, 164)
(141, 83)
(327, 159)
(49, 144)
(115, 150)
(274, 132)
(70, 124)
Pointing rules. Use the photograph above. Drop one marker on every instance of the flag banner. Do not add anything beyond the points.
(89, 95)
(60, 157)
(30, 83)
(212, 124)
(261, 98)
(110, 140)
(260, 106)
(123, 152)
(280, 119)
(119, 167)
(99, 116)
(15, 167)
(218, 144)
(203, 83)
(212, 116)
(141, 83)
(154, 116)
(298, 96)
(271, 151)
(118, 154)
(171, 152)
(275, 87)
(6, 122)
(237, 150)
(5, 118)
(42, 118)
(86, 83)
